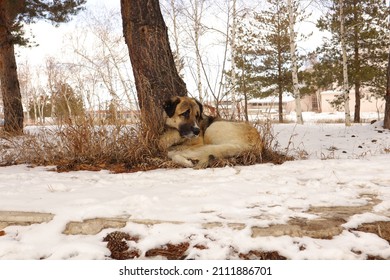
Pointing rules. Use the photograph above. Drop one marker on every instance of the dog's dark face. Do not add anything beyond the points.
(184, 114)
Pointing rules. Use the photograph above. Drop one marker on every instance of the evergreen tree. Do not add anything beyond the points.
(262, 55)
(67, 103)
(112, 116)
(366, 43)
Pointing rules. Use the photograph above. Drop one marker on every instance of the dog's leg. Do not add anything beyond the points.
(202, 154)
(176, 157)
(170, 138)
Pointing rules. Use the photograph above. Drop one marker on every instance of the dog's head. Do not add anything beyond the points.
(184, 114)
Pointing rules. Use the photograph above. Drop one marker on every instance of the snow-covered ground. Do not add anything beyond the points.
(337, 166)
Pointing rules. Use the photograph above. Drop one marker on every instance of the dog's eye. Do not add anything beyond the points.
(186, 114)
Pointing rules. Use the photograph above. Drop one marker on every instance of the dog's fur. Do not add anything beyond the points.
(191, 136)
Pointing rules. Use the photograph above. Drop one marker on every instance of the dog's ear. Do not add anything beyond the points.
(170, 106)
(200, 108)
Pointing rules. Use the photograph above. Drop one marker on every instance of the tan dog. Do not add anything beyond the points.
(193, 137)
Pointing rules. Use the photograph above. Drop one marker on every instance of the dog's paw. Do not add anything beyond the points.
(201, 165)
(179, 159)
(204, 162)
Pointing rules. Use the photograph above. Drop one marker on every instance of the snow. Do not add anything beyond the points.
(336, 166)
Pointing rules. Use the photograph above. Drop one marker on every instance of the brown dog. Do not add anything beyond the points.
(193, 137)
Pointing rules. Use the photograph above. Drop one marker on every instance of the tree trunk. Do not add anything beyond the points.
(197, 10)
(345, 67)
(280, 88)
(356, 117)
(154, 70)
(294, 71)
(387, 108)
(280, 104)
(233, 55)
(12, 100)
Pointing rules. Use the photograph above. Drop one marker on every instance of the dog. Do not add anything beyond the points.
(192, 139)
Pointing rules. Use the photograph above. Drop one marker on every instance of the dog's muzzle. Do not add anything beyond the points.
(189, 130)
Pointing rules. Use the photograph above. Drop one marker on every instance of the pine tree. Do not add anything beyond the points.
(68, 103)
(262, 56)
(13, 14)
(366, 43)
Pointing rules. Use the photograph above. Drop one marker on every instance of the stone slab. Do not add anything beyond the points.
(20, 218)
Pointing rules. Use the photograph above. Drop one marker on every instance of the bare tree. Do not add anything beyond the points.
(103, 73)
(25, 81)
(34, 94)
(297, 95)
(175, 27)
(54, 76)
(194, 14)
(174, 9)
(233, 51)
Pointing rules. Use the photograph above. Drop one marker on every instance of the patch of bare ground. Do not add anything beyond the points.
(170, 251)
(261, 255)
(382, 229)
(117, 243)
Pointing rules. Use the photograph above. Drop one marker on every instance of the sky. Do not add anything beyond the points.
(50, 39)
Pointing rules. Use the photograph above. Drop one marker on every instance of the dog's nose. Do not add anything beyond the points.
(196, 130)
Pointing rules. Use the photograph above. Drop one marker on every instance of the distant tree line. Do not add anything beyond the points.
(63, 105)
(263, 60)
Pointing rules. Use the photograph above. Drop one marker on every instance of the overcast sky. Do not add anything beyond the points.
(50, 39)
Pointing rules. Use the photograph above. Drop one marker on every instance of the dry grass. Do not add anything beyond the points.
(83, 145)
(86, 145)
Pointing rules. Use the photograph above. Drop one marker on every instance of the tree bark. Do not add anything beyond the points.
(345, 67)
(233, 55)
(356, 117)
(294, 71)
(280, 88)
(197, 15)
(387, 108)
(10, 89)
(154, 70)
